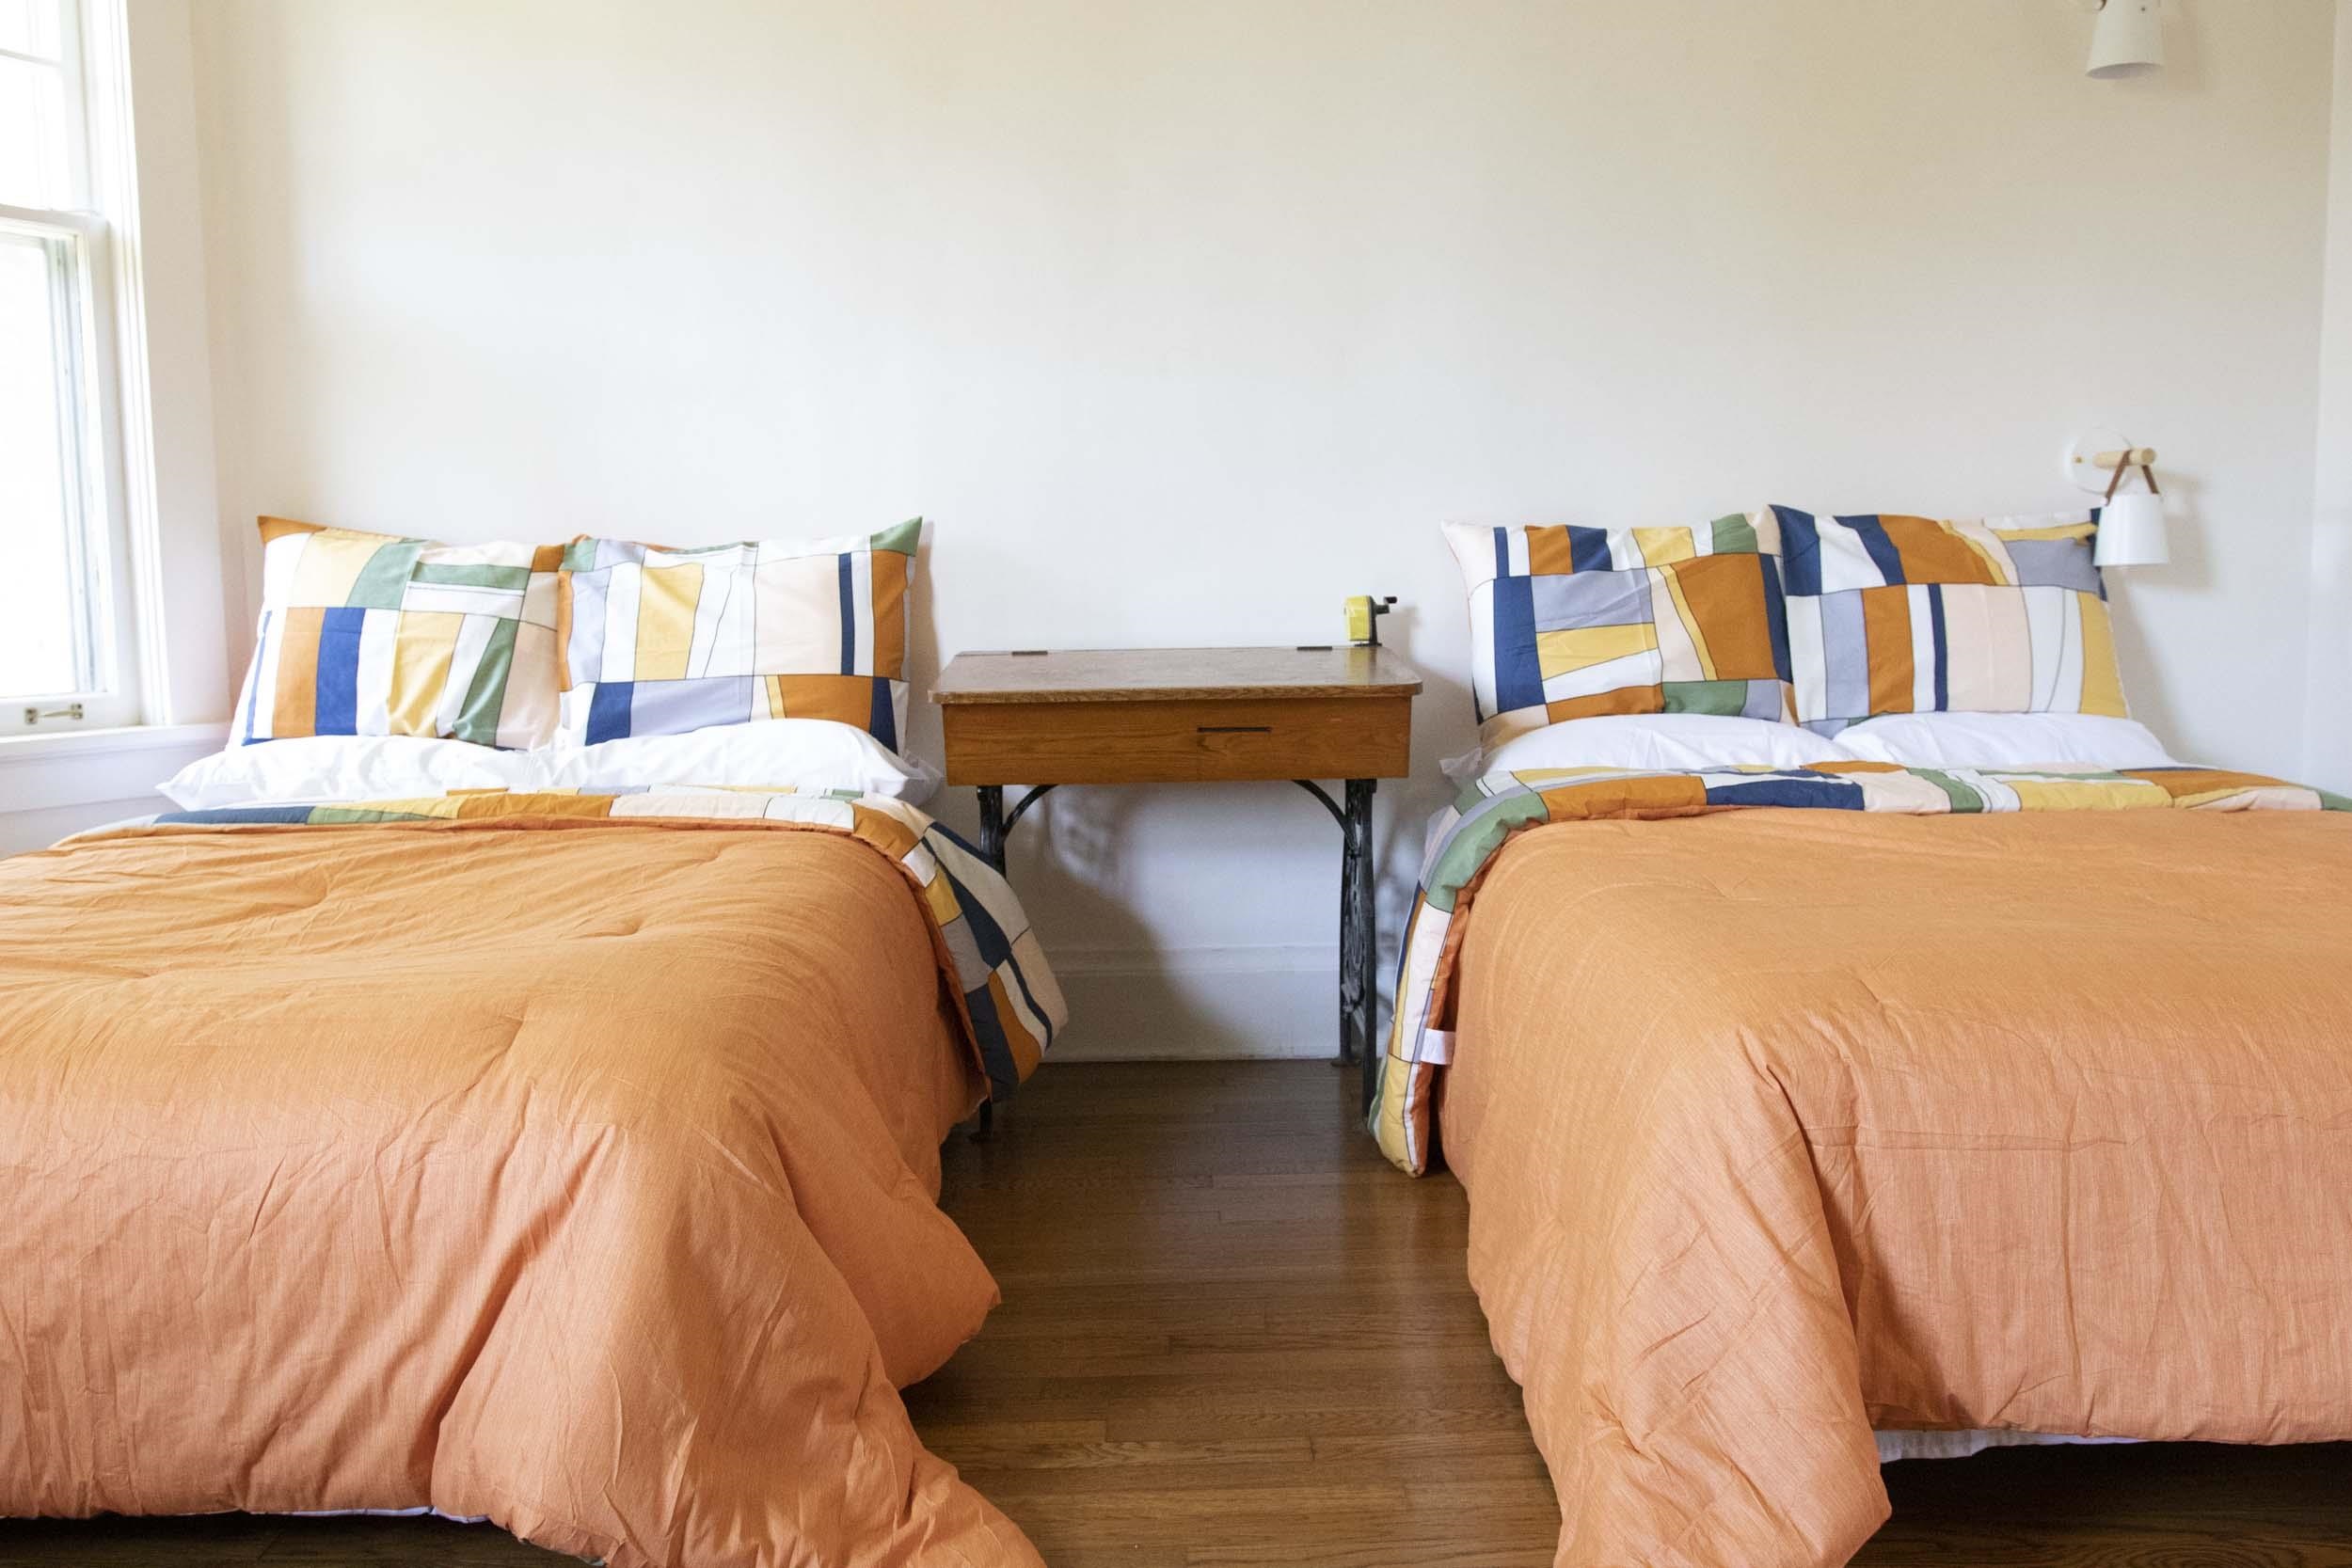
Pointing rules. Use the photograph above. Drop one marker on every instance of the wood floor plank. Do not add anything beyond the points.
(1429, 1424)
(1156, 1456)
(1232, 1338)
(1394, 1552)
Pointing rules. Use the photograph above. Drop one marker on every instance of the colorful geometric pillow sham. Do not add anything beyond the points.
(662, 642)
(1891, 614)
(375, 634)
(1570, 622)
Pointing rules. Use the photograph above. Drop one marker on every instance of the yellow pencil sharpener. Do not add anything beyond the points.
(1363, 617)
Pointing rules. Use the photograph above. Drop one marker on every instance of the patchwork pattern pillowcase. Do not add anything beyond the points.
(1890, 615)
(375, 634)
(1571, 623)
(662, 641)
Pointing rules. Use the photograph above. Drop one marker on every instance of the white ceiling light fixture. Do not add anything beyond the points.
(2127, 40)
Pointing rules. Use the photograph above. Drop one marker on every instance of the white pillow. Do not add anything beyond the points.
(348, 767)
(778, 753)
(2005, 739)
(1653, 741)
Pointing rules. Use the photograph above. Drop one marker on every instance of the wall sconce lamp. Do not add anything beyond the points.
(2127, 40)
(2131, 527)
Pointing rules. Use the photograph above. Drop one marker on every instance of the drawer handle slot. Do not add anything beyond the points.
(1236, 728)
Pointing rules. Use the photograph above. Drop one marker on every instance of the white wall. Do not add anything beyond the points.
(1185, 322)
(2329, 709)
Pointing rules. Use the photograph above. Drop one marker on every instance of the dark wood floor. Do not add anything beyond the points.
(1232, 1337)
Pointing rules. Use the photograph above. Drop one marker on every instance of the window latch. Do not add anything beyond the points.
(35, 715)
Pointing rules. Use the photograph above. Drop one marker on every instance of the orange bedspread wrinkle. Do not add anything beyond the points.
(582, 1180)
(1779, 1126)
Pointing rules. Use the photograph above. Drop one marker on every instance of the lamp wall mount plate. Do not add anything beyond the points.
(2079, 461)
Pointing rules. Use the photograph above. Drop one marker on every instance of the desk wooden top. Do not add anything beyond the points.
(1173, 674)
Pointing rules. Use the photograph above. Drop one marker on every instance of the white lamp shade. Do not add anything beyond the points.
(2131, 533)
(2129, 40)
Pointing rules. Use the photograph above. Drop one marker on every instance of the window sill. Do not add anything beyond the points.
(44, 744)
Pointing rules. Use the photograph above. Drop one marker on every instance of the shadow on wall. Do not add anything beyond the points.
(922, 738)
(2190, 571)
(1444, 725)
(1132, 996)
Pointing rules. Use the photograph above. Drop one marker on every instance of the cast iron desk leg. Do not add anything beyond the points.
(993, 852)
(1360, 989)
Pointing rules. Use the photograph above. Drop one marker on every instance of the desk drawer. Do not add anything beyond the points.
(1177, 742)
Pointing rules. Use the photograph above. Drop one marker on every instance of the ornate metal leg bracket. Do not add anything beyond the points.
(993, 826)
(1357, 887)
(996, 825)
(1359, 943)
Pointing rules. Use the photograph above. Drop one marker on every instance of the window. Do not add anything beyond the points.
(67, 658)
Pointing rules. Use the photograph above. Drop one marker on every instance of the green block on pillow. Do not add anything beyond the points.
(1728, 697)
(1734, 535)
(384, 581)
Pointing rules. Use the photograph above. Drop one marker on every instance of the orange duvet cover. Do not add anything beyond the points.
(1779, 1126)
(580, 1176)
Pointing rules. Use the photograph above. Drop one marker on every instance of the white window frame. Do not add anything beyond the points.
(116, 531)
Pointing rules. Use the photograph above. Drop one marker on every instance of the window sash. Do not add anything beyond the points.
(105, 685)
(73, 90)
(111, 670)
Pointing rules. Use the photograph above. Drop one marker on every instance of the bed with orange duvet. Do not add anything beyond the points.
(565, 1161)
(1974, 1102)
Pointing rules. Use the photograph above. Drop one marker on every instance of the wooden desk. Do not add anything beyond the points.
(1196, 715)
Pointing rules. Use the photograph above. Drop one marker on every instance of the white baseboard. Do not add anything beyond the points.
(1199, 1004)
